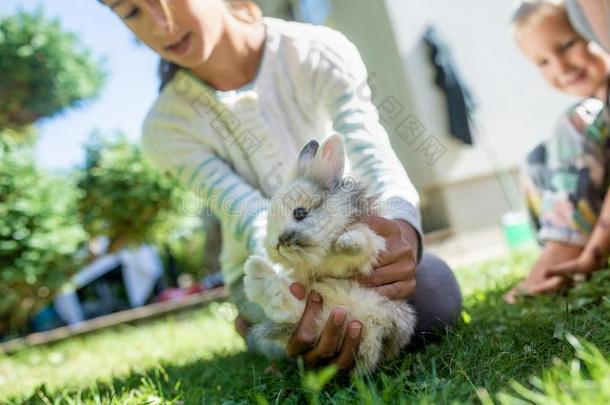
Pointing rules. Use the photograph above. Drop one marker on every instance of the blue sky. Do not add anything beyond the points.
(130, 89)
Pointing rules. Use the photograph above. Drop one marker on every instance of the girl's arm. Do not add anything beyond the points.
(340, 79)
(239, 207)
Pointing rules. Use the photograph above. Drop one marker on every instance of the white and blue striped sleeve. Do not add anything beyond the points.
(240, 208)
(341, 80)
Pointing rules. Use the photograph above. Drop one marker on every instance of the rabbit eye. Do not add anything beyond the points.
(300, 213)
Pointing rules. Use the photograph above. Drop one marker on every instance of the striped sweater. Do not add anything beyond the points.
(234, 149)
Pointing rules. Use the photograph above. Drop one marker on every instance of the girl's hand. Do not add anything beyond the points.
(329, 348)
(394, 276)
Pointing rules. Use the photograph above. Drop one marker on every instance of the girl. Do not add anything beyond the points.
(241, 95)
(567, 178)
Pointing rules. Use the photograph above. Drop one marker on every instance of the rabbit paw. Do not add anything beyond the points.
(258, 268)
(258, 273)
(263, 285)
(350, 243)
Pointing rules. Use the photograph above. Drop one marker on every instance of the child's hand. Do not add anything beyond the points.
(395, 275)
(531, 288)
(585, 264)
(539, 281)
(329, 348)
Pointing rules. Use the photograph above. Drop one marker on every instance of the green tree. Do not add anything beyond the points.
(44, 70)
(39, 234)
(123, 196)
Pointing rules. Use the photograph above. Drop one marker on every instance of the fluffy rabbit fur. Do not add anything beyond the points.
(315, 236)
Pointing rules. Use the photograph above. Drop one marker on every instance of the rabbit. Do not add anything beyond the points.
(315, 236)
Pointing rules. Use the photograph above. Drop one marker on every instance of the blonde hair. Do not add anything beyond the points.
(530, 12)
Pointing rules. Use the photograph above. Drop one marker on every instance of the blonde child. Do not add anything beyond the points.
(566, 176)
(242, 94)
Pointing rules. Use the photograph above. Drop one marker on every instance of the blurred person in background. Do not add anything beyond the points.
(567, 177)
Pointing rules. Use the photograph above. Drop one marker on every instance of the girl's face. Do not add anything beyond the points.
(567, 61)
(186, 37)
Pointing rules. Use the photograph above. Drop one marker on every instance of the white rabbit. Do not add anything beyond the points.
(315, 236)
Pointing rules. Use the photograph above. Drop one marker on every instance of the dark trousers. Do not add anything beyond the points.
(437, 299)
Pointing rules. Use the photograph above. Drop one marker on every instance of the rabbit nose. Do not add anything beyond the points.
(287, 238)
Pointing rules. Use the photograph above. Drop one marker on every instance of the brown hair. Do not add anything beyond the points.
(243, 10)
(529, 12)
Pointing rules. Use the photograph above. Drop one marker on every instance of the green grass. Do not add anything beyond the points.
(549, 350)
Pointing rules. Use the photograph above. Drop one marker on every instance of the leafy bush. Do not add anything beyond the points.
(189, 254)
(123, 196)
(44, 70)
(39, 234)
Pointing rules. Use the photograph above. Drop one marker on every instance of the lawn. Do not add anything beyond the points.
(550, 350)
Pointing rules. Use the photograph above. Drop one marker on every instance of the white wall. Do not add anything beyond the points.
(517, 109)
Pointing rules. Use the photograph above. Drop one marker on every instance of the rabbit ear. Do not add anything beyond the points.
(306, 156)
(329, 161)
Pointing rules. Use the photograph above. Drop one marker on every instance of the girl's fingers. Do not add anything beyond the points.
(298, 290)
(304, 338)
(346, 359)
(330, 339)
(391, 273)
(397, 291)
(381, 226)
(396, 247)
(398, 251)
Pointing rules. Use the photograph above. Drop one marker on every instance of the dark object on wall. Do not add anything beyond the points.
(460, 104)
